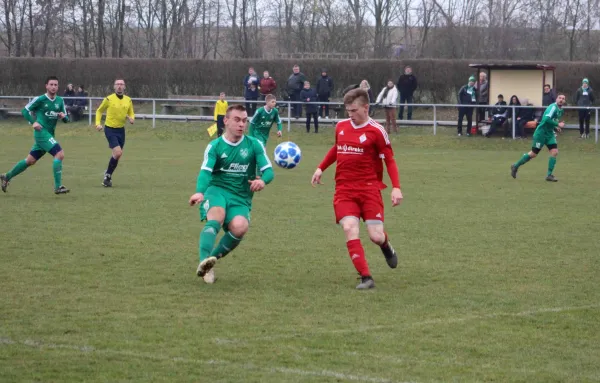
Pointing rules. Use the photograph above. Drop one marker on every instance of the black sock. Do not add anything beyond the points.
(112, 165)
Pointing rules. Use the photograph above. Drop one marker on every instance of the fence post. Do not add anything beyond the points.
(434, 120)
(90, 112)
(514, 121)
(289, 116)
(153, 114)
(596, 109)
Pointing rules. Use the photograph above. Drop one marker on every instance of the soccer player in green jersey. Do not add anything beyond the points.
(263, 120)
(544, 135)
(225, 186)
(48, 109)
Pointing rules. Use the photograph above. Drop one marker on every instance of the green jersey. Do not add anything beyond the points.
(232, 165)
(261, 124)
(550, 120)
(46, 112)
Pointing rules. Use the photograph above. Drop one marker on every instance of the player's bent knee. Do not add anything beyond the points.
(30, 160)
(238, 226)
(117, 153)
(60, 155)
(532, 154)
(216, 213)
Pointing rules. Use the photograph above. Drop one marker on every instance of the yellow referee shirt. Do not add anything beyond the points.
(117, 109)
(220, 108)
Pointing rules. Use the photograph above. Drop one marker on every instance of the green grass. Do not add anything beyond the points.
(498, 278)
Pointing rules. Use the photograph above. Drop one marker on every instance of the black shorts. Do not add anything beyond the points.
(115, 137)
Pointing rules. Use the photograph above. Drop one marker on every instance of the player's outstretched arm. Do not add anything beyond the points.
(329, 160)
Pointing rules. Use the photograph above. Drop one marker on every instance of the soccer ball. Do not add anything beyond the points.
(287, 155)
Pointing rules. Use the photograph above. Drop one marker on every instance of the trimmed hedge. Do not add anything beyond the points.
(438, 79)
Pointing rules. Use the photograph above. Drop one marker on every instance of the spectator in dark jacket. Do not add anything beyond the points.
(498, 116)
(584, 98)
(467, 97)
(524, 115)
(251, 91)
(295, 83)
(267, 85)
(407, 84)
(309, 96)
(79, 104)
(69, 92)
(324, 90)
(548, 97)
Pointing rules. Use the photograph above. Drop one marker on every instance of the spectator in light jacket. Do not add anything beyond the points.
(407, 84)
(309, 96)
(251, 91)
(324, 90)
(267, 85)
(467, 97)
(584, 98)
(483, 95)
(388, 98)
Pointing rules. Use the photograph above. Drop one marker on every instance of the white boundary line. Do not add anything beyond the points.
(427, 322)
(36, 344)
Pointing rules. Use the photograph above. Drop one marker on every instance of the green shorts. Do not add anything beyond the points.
(234, 206)
(44, 141)
(540, 140)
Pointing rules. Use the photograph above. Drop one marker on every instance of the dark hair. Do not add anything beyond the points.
(501, 96)
(560, 94)
(511, 100)
(270, 97)
(50, 78)
(547, 85)
(357, 94)
(238, 107)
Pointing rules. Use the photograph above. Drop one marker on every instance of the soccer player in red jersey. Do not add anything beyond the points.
(361, 146)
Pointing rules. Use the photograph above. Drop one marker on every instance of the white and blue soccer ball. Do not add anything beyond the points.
(287, 155)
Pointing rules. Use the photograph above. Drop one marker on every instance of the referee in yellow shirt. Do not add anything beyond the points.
(118, 108)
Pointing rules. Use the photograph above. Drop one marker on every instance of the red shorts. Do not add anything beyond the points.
(366, 204)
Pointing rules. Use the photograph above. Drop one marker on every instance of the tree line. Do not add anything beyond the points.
(557, 30)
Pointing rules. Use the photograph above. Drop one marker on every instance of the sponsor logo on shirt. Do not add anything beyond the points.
(350, 149)
(235, 167)
(51, 114)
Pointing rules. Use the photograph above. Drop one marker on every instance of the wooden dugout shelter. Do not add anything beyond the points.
(522, 80)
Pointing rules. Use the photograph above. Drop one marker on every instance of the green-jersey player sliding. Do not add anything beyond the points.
(225, 186)
(48, 109)
(544, 135)
(263, 120)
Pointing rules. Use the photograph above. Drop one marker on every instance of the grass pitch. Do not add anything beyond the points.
(498, 278)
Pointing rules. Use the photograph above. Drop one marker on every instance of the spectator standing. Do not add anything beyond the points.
(251, 91)
(295, 83)
(324, 90)
(467, 97)
(309, 96)
(584, 99)
(483, 95)
(407, 84)
(388, 98)
(499, 114)
(220, 110)
(548, 98)
(70, 98)
(267, 85)
(79, 105)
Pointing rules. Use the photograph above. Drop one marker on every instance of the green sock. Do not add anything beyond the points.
(17, 169)
(57, 169)
(226, 245)
(551, 164)
(208, 235)
(523, 160)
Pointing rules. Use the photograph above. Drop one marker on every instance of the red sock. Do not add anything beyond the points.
(357, 255)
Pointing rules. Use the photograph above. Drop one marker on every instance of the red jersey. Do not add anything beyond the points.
(360, 152)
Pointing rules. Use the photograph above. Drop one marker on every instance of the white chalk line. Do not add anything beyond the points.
(39, 345)
(427, 322)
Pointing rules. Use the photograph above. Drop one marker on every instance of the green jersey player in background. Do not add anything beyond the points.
(544, 135)
(225, 186)
(263, 120)
(48, 109)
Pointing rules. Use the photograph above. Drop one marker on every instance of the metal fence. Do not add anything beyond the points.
(208, 102)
